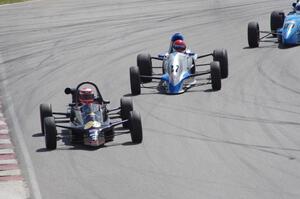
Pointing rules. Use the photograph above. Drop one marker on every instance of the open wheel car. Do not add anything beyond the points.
(285, 28)
(178, 71)
(89, 120)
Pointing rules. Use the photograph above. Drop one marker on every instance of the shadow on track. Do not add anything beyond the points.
(68, 144)
(275, 45)
(38, 134)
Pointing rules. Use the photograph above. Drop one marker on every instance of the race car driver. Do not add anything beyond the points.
(177, 44)
(89, 109)
(294, 7)
(297, 8)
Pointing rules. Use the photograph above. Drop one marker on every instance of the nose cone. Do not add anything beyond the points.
(174, 88)
(173, 79)
(93, 142)
(94, 138)
(289, 35)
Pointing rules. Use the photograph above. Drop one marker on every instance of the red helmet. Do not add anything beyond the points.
(86, 96)
(179, 45)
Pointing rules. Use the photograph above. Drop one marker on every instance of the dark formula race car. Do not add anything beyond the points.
(178, 71)
(285, 28)
(91, 124)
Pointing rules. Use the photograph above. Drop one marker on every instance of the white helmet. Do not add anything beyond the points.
(297, 8)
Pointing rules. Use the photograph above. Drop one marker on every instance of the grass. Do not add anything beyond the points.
(10, 1)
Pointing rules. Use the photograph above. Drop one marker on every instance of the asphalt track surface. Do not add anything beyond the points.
(240, 142)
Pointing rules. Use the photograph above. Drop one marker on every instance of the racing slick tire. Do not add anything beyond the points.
(279, 38)
(135, 80)
(144, 62)
(126, 107)
(45, 111)
(193, 69)
(276, 21)
(221, 56)
(109, 136)
(135, 127)
(253, 34)
(215, 73)
(50, 133)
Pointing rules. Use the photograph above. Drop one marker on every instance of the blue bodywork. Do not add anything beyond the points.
(177, 72)
(174, 87)
(289, 34)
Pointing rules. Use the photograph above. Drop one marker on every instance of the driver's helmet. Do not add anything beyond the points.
(86, 96)
(297, 8)
(177, 36)
(179, 46)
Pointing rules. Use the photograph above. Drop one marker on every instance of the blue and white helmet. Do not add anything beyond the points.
(177, 36)
(297, 8)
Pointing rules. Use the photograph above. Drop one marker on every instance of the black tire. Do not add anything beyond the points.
(135, 81)
(144, 62)
(50, 133)
(109, 136)
(279, 38)
(45, 111)
(126, 107)
(276, 21)
(221, 56)
(136, 130)
(163, 67)
(193, 69)
(215, 73)
(253, 34)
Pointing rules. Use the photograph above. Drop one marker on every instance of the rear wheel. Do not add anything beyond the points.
(276, 21)
(126, 107)
(144, 62)
(221, 56)
(253, 34)
(45, 111)
(50, 133)
(135, 81)
(215, 76)
(136, 130)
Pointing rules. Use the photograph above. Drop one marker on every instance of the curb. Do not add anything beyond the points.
(12, 184)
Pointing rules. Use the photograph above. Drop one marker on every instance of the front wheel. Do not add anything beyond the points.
(253, 34)
(221, 56)
(50, 133)
(279, 38)
(135, 80)
(215, 74)
(126, 107)
(109, 135)
(136, 130)
(45, 111)
(276, 21)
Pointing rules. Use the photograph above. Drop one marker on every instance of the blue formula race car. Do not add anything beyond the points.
(285, 28)
(178, 73)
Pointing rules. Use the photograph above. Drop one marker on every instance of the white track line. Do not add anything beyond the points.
(9, 161)
(15, 172)
(3, 132)
(5, 141)
(6, 151)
